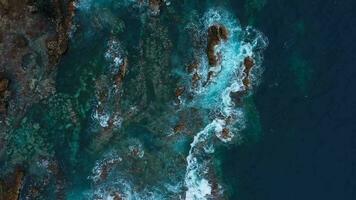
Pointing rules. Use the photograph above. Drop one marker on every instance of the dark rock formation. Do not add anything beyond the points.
(248, 65)
(33, 37)
(119, 77)
(216, 34)
(32, 42)
(11, 186)
(179, 128)
(178, 93)
(155, 6)
(4, 95)
(246, 81)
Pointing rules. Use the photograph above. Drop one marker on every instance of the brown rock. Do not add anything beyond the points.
(4, 83)
(155, 5)
(248, 64)
(119, 77)
(117, 196)
(1, 37)
(225, 133)
(58, 45)
(3, 107)
(179, 91)
(192, 67)
(179, 128)
(10, 188)
(237, 97)
(4, 95)
(195, 79)
(20, 28)
(4, 4)
(216, 34)
(20, 41)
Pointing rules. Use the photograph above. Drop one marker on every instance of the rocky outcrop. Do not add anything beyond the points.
(178, 94)
(33, 37)
(11, 186)
(4, 95)
(216, 34)
(155, 6)
(58, 45)
(248, 65)
(120, 75)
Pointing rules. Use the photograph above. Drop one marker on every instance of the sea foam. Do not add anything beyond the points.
(214, 96)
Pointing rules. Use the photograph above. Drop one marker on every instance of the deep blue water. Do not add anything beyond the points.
(308, 146)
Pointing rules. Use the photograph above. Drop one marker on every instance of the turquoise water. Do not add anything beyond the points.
(110, 131)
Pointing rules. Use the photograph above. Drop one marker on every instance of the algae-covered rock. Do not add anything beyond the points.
(11, 186)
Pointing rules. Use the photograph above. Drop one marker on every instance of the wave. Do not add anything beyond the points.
(213, 94)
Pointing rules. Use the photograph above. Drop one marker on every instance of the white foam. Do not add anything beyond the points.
(98, 169)
(200, 191)
(198, 187)
(123, 188)
(137, 150)
(102, 118)
(215, 97)
(114, 55)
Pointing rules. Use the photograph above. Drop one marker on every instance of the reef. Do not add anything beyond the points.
(34, 36)
(4, 95)
(120, 99)
(155, 6)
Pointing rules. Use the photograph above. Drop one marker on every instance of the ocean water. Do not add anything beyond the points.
(307, 143)
(130, 121)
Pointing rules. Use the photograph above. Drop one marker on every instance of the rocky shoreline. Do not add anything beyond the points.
(34, 34)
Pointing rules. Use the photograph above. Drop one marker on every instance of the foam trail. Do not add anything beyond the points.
(214, 97)
(198, 186)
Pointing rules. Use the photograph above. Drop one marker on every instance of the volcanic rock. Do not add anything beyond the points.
(248, 64)
(179, 128)
(10, 188)
(4, 83)
(32, 33)
(4, 95)
(119, 77)
(155, 6)
(216, 34)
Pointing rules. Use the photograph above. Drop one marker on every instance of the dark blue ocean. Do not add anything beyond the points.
(308, 146)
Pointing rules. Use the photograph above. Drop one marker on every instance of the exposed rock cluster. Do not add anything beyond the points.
(4, 94)
(155, 6)
(34, 34)
(33, 37)
(216, 34)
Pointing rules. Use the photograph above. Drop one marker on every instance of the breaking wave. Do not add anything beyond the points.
(225, 117)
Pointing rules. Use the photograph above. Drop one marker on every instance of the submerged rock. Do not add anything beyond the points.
(3, 84)
(120, 75)
(4, 95)
(33, 37)
(11, 186)
(155, 6)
